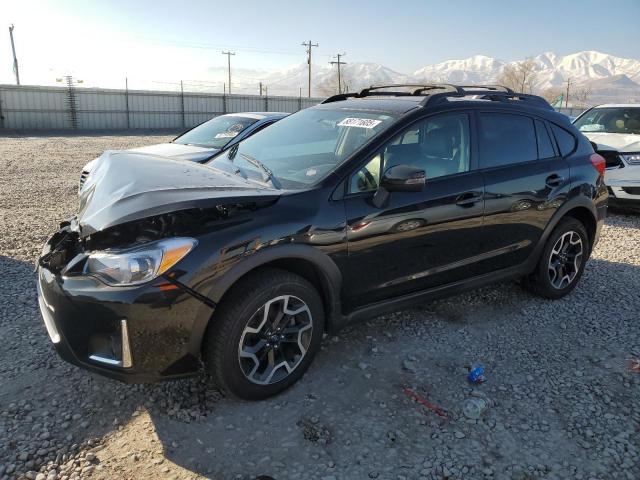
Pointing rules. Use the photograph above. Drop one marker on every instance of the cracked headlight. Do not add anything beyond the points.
(137, 265)
(631, 158)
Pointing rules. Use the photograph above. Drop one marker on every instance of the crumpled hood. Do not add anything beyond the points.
(127, 186)
(192, 153)
(621, 142)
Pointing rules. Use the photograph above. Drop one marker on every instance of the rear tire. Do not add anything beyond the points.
(562, 261)
(264, 334)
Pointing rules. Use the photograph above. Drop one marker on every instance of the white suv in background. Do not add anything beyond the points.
(616, 131)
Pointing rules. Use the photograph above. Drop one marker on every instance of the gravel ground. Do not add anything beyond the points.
(386, 399)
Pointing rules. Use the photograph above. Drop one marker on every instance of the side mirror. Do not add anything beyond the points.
(403, 178)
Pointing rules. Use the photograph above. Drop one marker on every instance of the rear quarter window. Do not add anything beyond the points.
(565, 140)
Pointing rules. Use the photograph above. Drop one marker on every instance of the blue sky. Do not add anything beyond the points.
(159, 39)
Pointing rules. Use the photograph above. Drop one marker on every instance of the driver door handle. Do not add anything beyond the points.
(468, 199)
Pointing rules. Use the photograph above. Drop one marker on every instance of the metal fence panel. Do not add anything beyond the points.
(36, 107)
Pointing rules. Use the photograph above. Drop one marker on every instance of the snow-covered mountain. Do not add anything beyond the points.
(551, 70)
(325, 78)
(608, 76)
(476, 69)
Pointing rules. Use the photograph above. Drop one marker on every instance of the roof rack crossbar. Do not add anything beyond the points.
(499, 88)
(437, 92)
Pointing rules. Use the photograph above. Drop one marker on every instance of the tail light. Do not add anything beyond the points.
(598, 162)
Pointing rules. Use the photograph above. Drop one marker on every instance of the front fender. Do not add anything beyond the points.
(328, 271)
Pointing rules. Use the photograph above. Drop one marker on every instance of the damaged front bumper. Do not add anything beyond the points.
(134, 334)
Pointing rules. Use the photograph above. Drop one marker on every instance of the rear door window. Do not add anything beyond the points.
(506, 139)
(566, 141)
(545, 147)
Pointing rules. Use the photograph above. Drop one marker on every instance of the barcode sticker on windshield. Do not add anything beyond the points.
(359, 122)
(226, 135)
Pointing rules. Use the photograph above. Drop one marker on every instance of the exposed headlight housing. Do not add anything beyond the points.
(120, 268)
(631, 158)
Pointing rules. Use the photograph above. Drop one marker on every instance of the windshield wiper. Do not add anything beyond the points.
(257, 163)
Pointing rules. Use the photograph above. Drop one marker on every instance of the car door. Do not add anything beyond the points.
(526, 181)
(416, 240)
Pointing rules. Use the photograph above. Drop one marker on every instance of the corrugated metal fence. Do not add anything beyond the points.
(35, 107)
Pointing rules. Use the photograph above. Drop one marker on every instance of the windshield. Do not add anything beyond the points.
(303, 148)
(610, 120)
(217, 132)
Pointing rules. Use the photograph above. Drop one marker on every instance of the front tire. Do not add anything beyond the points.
(562, 261)
(264, 334)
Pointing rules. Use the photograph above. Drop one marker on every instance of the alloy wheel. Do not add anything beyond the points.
(275, 340)
(565, 260)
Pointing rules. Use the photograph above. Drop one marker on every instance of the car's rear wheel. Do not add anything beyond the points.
(264, 334)
(562, 261)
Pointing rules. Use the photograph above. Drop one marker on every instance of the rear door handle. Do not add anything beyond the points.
(554, 180)
(468, 199)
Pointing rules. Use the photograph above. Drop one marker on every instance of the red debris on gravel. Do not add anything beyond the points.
(424, 402)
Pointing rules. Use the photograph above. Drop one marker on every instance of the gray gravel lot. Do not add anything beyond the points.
(562, 401)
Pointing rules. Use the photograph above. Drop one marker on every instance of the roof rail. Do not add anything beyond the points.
(437, 92)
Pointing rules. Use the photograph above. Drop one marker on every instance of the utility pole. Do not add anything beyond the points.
(338, 62)
(309, 47)
(15, 59)
(260, 88)
(228, 54)
(566, 100)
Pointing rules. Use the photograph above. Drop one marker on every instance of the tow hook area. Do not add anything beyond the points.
(61, 247)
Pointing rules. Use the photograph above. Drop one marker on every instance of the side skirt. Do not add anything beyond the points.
(404, 301)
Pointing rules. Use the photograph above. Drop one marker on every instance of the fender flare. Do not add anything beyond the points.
(572, 203)
(328, 271)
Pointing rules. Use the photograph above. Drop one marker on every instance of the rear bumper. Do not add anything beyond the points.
(135, 335)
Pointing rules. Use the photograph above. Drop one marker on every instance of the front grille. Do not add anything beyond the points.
(612, 158)
(631, 190)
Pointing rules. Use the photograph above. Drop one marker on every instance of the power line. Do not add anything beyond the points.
(338, 63)
(15, 59)
(228, 54)
(212, 46)
(309, 47)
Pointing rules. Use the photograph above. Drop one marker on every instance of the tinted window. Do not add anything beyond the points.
(545, 147)
(566, 141)
(505, 139)
(217, 132)
(438, 145)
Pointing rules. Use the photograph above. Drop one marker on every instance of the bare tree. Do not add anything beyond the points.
(520, 77)
(581, 96)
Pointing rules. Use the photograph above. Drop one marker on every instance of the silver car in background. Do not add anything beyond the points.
(202, 142)
(615, 129)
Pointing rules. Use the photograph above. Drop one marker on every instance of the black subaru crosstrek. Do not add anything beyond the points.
(365, 204)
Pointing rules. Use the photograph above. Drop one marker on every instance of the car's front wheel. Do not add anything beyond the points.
(562, 261)
(264, 334)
